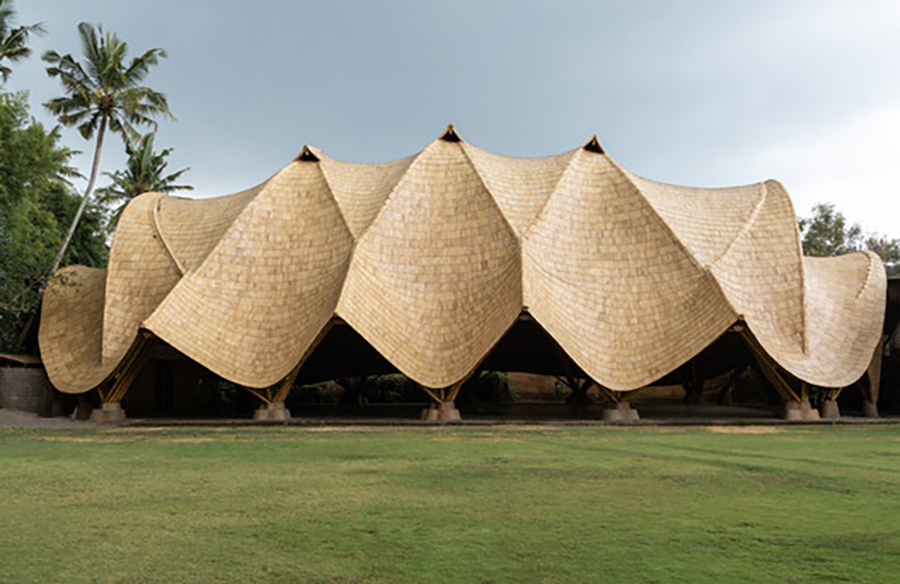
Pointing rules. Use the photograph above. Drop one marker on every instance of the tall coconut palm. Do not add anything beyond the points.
(144, 172)
(13, 41)
(103, 92)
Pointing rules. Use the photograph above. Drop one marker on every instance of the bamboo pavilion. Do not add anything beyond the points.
(433, 258)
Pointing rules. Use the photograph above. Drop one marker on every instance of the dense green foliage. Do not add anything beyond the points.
(513, 504)
(43, 223)
(36, 204)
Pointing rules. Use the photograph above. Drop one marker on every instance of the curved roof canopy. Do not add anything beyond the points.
(432, 258)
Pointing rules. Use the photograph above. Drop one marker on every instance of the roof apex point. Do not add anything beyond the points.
(593, 145)
(450, 135)
(306, 155)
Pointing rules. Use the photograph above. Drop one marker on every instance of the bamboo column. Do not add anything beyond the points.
(873, 375)
(579, 386)
(273, 398)
(111, 396)
(443, 406)
(796, 405)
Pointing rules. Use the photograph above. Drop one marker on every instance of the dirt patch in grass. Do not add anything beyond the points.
(744, 429)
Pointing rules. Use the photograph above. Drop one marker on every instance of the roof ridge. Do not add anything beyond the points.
(490, 192)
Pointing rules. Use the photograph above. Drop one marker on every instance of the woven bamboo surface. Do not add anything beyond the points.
(612, 284)
(191, 228)
(70, 334)
(361, 189)
(432, 258)
(435, 280)
(845, 299)
(141, 273)
(267, 288)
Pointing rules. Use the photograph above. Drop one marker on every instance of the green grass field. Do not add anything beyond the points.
(443, 504)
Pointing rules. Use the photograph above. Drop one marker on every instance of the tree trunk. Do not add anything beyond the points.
(84, 200)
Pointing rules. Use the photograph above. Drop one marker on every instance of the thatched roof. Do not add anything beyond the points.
(432, 258)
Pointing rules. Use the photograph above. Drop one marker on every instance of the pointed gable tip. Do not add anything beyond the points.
(450, 135)
(593, 145)
(307, 155)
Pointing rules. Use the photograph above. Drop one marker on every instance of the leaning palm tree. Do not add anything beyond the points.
(13, 41)
(144, 172)
(103, 92)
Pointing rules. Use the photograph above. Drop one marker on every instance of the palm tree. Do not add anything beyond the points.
(103, 93)
(13, 41)
(144, 172)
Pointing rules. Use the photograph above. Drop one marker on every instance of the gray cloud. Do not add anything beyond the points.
(703, 93)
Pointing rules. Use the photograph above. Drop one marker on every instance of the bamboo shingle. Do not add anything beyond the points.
(70, 333)
(361, 189)
(612, 284)
(268, 287)
(141, 273)
(433, 257)
(190, 228)
(436, 279)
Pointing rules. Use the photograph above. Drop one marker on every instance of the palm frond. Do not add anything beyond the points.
(140, 66)
(14, 41)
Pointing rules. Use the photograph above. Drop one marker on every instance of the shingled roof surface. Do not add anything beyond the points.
(432, 258)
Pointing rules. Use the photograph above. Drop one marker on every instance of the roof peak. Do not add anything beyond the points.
(593, 145)
(307, 155)
(450, 135)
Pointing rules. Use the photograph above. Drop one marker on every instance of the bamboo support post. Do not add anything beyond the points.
(430, 393)
(274, 396)
(285, 387)
(262, 396)
(110, 410)
(770, 368)
(273, 409)
(454, 390)
(442, 407)
(873, 373)
(128, 371)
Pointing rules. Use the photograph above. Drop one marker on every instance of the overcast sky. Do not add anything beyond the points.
(702, 93)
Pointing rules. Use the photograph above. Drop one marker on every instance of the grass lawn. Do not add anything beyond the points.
(464, 504)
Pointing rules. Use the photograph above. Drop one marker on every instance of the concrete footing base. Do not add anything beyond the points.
(797, 411)
(443, 412)
(274, 412)
(621, 412)
(108, 413)
(829, 409)
(870, 410)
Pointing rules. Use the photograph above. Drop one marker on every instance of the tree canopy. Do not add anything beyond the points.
(105, 90)
(145, 171)
(13, 40)
(827, 233)
(36, 204)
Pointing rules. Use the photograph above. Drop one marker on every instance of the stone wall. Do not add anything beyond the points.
(26, 389)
